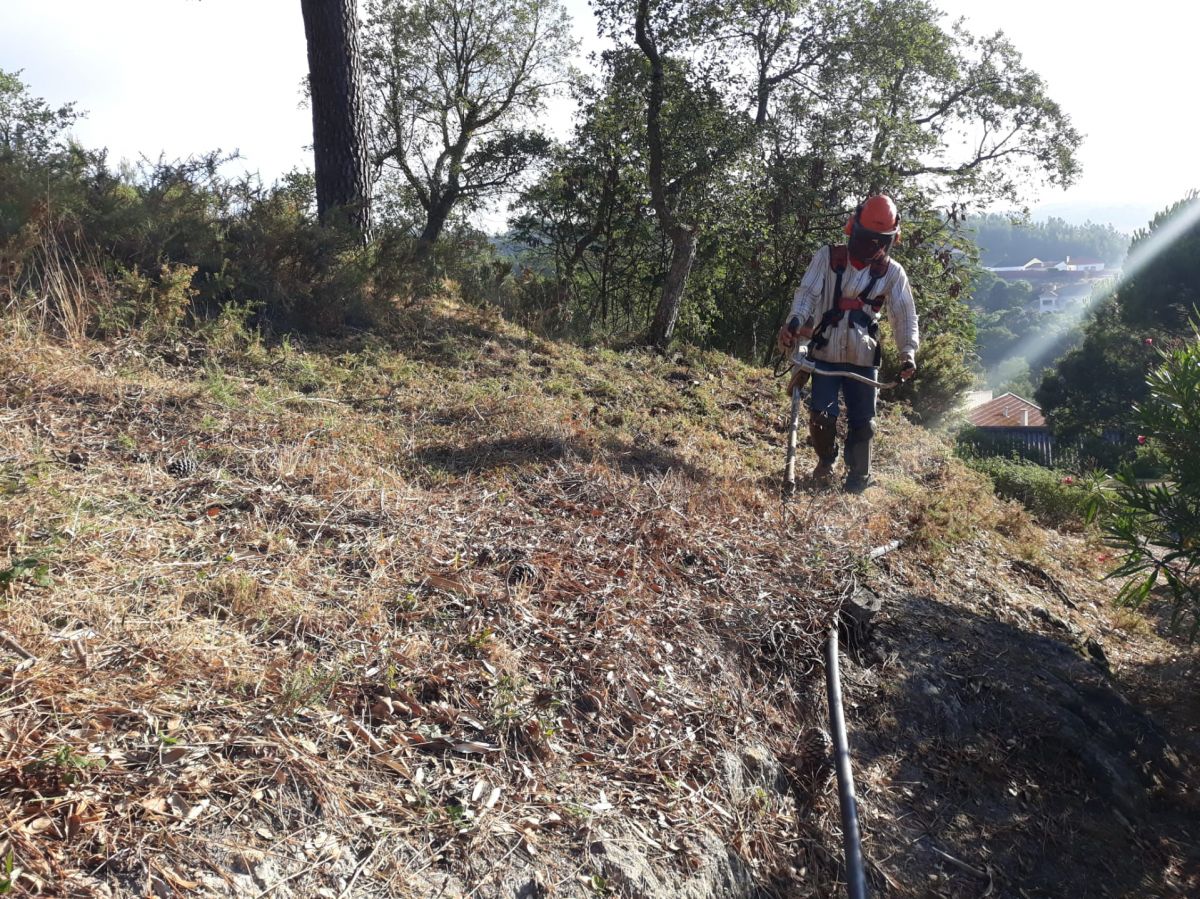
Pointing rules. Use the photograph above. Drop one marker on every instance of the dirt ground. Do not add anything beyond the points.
(1016, 735)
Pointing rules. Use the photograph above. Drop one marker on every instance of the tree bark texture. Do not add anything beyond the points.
(340, 138)
(436, 217)
(683, 254)
(683, 236)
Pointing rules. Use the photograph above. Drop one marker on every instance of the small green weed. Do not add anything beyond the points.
(14, 481)
(6, 882)
(951, 512)
(305, 687)
(479, 641)
(458, 816)
(64, 765)
(33, 569)
(230, 331)
(218, 385)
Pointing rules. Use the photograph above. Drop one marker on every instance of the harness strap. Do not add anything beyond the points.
(839, 258)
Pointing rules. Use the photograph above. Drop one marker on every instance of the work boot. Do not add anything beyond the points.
(858, 458)
(822, 431)
(822, 475)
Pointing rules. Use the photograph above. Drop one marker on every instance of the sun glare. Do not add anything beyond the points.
(1039, 344)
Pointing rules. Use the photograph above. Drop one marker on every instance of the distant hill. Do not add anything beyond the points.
(1124, 217)
(1003, 242)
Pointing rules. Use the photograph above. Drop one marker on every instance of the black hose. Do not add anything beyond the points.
(856, 878)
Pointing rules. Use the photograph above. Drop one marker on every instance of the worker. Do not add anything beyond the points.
(837, 308)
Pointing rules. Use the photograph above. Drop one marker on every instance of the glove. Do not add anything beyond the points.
(786, 338)
(908, 368)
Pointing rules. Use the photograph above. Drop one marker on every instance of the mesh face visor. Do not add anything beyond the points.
(866, 244)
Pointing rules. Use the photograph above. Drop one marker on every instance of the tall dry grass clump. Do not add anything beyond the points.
(57, 287)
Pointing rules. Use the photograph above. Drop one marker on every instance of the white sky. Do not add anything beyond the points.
(183, 76)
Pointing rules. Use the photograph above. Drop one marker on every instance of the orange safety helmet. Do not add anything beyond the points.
(874, 227)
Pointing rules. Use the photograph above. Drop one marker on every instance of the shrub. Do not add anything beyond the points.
(943, 377)
(952, 510)
(1157, 524)
(1054, 497)
(276, 255)
(155, 306)
(1149, 462)
(149, 245)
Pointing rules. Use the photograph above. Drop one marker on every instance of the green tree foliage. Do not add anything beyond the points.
(1089, 396)
(586, 223)
(1157, 524)
(1008, 240)
(808, 106)
(992, 294)
(915, 83)
(29, 127)
(1014, 341)
(1013, 375)
(692, 133)
(1161, 289)
(37, 158)
(1092, 393)
(456, 85)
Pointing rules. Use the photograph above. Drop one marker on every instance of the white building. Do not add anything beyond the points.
(1058, 297)
(1083, 264)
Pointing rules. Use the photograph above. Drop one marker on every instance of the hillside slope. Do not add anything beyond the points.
(463, 612)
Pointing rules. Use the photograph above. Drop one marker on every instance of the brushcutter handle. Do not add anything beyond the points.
(801, 361)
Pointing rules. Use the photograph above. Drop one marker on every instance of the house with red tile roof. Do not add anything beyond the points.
(1008, 424)
(1007, 411)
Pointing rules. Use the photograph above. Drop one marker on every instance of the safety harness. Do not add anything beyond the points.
(839, 258)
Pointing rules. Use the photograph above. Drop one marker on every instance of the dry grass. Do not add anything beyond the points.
(60, 293)
(423, 605)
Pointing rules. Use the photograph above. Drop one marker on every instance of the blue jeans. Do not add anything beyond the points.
(860, 397)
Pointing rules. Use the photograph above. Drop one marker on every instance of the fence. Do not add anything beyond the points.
(1033, 444)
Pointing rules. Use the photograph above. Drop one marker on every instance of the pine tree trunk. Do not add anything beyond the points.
(683, 253)
(340, 138)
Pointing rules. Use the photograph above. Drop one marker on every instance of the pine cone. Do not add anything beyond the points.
(813, 751)
(523, 573)
(182, 466)
(811, 765)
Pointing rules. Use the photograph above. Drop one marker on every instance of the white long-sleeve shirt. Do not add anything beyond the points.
(849, 342)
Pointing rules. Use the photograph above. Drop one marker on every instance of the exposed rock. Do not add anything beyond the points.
(620, 854)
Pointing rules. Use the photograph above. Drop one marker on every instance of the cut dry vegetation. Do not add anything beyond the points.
(462, 610)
